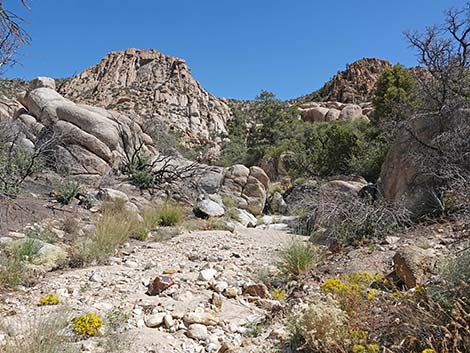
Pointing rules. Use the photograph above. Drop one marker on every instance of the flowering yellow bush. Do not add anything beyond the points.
(368, 348)
(87, 324)
(279, 294)
(428, 350)
(49, 299)
(356, 284)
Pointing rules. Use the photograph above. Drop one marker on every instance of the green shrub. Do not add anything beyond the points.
(169, 214)
(297, 257)
(16, 165)
(325, 149)
(67, 190)
(395, 89)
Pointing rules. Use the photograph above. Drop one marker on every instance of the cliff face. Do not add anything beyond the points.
(155, 86)
(353, 85)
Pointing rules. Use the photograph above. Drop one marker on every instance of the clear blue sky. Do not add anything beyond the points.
(234, 48)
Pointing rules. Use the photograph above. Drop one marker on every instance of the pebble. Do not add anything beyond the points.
(207, 274)
(198, 331)
(155, 320)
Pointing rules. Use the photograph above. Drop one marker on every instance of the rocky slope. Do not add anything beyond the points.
(353, 85)
(156, 87)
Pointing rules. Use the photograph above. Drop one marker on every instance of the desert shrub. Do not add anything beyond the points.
(15, 260)
(169, 214)
(113, 228)
(66, 191)
(87, 324)
(49, 299)
(116, 338)
(454, 273)
(351, 219)
(235, 150)
(297, 257)
(323, 326)
(232, 211)
(141, 233)
(431, 326)
(395, 90)
(46, 332)
(71, 225)
(325, 149)
(15, 166)
(279, 294)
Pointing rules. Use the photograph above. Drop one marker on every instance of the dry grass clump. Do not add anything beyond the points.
(14, 260)
(45, 332)
(167, 214)
(297, 257)
(113, 228)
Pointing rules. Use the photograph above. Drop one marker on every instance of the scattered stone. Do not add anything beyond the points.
(168, 321)
(217, 300)
(155, 320)
(231, 292)
(198, 332)
(159, 284)
(257, 290)
(204, 318)
(207, 274)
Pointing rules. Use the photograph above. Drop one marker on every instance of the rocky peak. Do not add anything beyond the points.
(156, 86)
(353, 85)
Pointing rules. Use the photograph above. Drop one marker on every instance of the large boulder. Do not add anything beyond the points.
(314, 114)
(87, 140)
(351, 112)
(207, 208)
(247, 187)
(403, 178)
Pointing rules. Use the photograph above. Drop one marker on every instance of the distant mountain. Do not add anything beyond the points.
(353, 85)
(158, 87)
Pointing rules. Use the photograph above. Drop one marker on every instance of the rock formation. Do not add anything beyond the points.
(155, 86)
(355, 84)
(87, 140)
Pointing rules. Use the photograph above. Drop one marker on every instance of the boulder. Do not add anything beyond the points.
(350, 112)
(411, 264)
(314, 114)
(278, 205)
(247, 187)
(212, 180)
(402, 178)
(332, 115)
(87, 140)
(39, 82)
(207, 208)
(246, 218)
(349, 187)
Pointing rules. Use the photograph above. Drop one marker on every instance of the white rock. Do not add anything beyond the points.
(220, 286)
(204, 318)
(207, 274)
(96, 277)
(198, 331)
(155, 320)
(168, 321)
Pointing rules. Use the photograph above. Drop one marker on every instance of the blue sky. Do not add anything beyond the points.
(234, 48)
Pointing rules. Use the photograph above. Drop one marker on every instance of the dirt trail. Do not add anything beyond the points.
(237, 259)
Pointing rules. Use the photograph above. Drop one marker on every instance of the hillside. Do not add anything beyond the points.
(155, 86)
